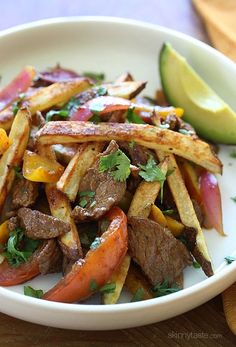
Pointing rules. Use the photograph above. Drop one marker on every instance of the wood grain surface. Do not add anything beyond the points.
(203, 326)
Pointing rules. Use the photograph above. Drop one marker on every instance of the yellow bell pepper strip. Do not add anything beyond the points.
(37, 168)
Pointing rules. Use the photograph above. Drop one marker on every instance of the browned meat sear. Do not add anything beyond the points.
(108, 192)
(24, 193)
(159, 254)
(38, 225)
(49, 257)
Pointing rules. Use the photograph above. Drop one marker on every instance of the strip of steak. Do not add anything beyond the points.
(38, 225)
(25, 193)
(159, 254)
(107, 191)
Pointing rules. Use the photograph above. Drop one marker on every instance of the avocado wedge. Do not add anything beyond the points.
(212, 118)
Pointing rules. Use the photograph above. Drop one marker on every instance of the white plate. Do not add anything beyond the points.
(113, 46)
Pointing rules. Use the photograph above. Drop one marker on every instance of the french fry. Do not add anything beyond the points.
(55, 94)
(60, 208)
(143, 199)
(79, 164)
(12, 157)
(47, 97)
(135, 280)
(146, 135)
(126, 90)
(187, 213)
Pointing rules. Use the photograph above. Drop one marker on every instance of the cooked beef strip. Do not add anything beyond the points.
(108, 192)
(176, 123)
(190, 234)
(160, 255)
(137, 154)
(88, 95)
(38, 225)
(49, 257)
(13, 223)
(24, 193)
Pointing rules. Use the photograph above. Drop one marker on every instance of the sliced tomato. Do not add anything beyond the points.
(98, 265)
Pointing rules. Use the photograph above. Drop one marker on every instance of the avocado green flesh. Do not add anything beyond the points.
(211, 117)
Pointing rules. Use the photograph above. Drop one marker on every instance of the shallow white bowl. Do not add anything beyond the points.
(113, 46)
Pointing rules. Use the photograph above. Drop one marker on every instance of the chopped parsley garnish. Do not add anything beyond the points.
(93, 285)
(186, 132)
(64, 112)
(132, 117)
(196, 265)
(132, 144)
(152, 173)
(233, 154)
(85, 198)
(95, 243)
(118, 165)
(35, 293)
(18, 171)
(108, 288)
(98, 77)
(230, 259)
(19, 247)
(233, 198)
(138, 295)
(101, 91)
(95, 118)
(16, 105)
(164, 288)
(168, 212)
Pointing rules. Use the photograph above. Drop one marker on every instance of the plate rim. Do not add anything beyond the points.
(228, 272)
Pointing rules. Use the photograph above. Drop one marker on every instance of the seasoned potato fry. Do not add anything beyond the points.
(4, 141)
(60, 208)
(145, 135)
(135, 280)
(37, 168)
(47, 97)
(125, 77)
(187, 213)
(118, 277)
(79, 164)
(56, 93)
(12, 157)
(126, 90)
(143, 199)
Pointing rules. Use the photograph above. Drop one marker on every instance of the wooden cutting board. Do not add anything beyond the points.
(219, 17)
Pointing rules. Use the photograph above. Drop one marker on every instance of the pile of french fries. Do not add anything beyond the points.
(62, 183)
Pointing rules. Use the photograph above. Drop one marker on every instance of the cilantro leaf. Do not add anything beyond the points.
(233, 198)
(196, 265)
(118, 165)
(98, 77)
(35, 293)
(233, 154)
(17, 254)
(85, 198)
(93, 285)
(163, 288)
(64, 112)
(101, 91)
(138, 295)
(152, 173)
(132, 117)
(108, 288)
(18, 171)
(230, 259)
(16, 105)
